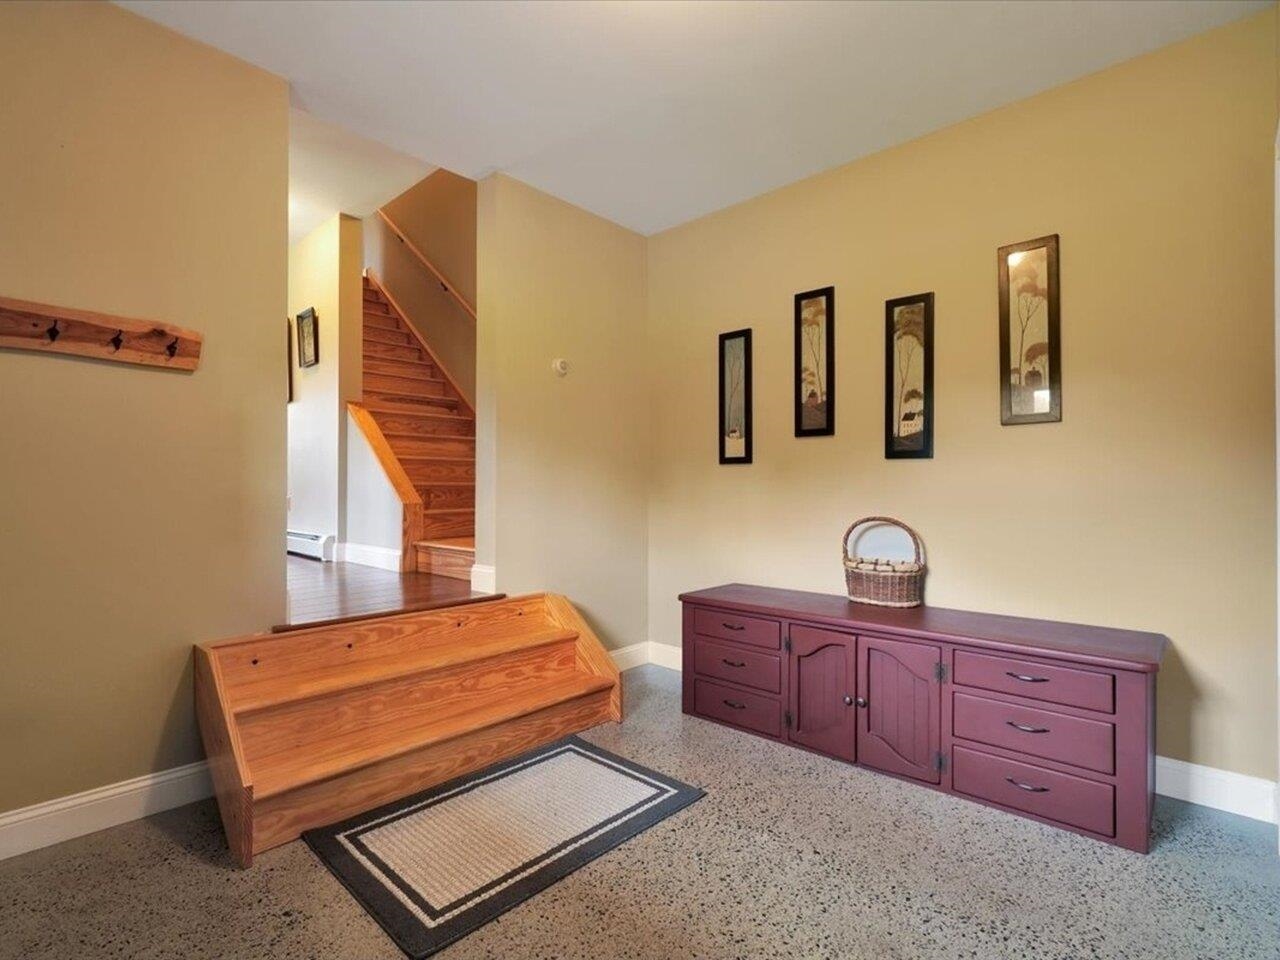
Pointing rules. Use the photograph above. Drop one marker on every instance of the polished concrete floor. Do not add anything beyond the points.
(788, 855)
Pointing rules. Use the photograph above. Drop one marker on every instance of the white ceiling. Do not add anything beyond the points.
(653, 112)
(332, 170)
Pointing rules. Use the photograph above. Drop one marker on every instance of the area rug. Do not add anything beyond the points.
(435, 866)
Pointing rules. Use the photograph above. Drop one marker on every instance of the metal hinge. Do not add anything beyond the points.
(940, 761)
(787, 717)
(940, 671)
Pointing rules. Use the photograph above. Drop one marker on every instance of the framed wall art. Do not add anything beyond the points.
(908, 377)
(1030, 351)
(735, 397)
(308, 338)
(815, 372)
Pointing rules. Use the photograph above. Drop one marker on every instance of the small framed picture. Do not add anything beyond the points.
(735, 397)
(815, 383)
(908, 377)
(308, 338)
(1030, 351)
(288, 354)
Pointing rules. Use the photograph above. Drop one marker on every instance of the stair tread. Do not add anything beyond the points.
(382, 406)
(392, 398)
(440, 511)
(434, 655)
(461, 544)
(357, 748)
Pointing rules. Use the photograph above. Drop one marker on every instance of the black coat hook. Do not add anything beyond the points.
(172, 348)
(52, 332)
(117, 341)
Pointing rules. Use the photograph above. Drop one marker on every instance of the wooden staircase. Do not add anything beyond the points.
(307, 728)
(430, 430)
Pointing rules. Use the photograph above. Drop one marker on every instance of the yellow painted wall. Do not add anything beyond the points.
(140, 511)
(562, 462)
(1151, 505)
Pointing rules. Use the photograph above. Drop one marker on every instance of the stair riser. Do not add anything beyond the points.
(381, 321)
(455, 564)
(436, 528)
(398, 703)
(379, 401)
(381, 383)
(415, 446)
(283, 818)
(423, 426)
(425, 472)
(378, 335)
(391, 351)
(400, 369)
(448, 498)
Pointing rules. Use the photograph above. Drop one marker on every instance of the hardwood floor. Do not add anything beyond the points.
(333, 592)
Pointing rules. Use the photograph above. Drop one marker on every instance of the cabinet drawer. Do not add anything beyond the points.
(738, 664)
(1041, 733)
(747, 710)
(729, 626)
(1026, 678)
(1081, 803)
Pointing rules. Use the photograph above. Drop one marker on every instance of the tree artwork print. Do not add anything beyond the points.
(815, 388)
(1030, 387)
(908, 403)
(735, 397)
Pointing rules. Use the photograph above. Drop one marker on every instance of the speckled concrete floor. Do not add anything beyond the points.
(788, 855)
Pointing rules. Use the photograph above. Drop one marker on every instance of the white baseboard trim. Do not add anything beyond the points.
(484, 578)
(1240, 793)
(384, 558)
(53, 821)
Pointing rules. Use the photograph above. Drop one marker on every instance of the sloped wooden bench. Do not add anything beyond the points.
(306, 728)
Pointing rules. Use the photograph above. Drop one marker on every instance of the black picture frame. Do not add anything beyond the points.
(810, 402)
(308, 338)
(899, 333)
(729, 455)
(288, 355)
(1050, 349)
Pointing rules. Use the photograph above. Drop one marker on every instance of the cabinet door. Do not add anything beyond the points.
(899, 707)
(822, 665)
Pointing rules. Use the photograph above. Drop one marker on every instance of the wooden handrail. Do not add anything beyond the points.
(444, 282)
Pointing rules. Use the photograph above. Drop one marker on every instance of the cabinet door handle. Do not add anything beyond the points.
(860, 701)
(735, 705)
(1024, 678)
(732, 663)
(1026, 729)
(733, 626)
(1026, 786)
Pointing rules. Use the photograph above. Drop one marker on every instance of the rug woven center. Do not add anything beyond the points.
(458, 844)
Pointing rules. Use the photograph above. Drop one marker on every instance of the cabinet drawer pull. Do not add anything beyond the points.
(732, 663)
(1026, 786)
(1026, 679)
(1026, 729)
(733, 626)
(735, 705)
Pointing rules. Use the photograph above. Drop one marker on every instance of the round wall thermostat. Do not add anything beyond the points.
(560, 366)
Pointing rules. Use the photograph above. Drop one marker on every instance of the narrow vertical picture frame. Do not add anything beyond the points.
(815, 366)
(735, 397)
(288, 355)
(1030, 332)
(908, 377)
(308, 338)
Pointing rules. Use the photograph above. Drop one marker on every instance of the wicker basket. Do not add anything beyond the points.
(884, 583)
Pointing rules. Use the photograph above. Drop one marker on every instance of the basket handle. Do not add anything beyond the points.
(915, 537)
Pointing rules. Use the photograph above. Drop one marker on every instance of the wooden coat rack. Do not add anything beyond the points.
(42, 328)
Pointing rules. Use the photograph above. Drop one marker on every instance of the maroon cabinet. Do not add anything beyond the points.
(1053, 721)
(822, 666)
(900, 707)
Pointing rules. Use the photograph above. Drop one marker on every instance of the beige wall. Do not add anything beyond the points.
(562, 462)
(438, 214)
(140, 511)
(324, 273)
(1151, 505)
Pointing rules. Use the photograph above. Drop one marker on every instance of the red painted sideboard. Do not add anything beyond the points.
(1053, 721)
